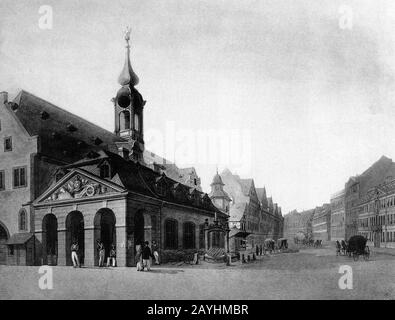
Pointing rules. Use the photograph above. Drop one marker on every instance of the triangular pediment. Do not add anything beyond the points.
(78, 184)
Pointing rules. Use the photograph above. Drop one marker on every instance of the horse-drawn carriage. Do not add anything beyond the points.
(270, 245)
(355, 247)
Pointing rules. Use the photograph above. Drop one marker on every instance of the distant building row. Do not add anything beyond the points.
(253, 217)
(365, 206)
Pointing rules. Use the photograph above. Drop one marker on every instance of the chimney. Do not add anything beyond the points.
(123, 152)
(3, 97)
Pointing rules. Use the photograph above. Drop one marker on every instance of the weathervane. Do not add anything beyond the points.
(127, 35)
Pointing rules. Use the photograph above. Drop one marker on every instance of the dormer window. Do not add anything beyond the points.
(195, 197)
(105, 171)
(98, 141)
(161, 188)
(44, 115)
(71, 128)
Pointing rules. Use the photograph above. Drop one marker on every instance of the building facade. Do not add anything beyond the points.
(337, 216)
(357, 188)
(376, 215)
(321, 223)
(253, 217)
(64, 179)
(298, 225)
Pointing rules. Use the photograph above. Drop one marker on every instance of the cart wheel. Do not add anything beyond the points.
(355, 256)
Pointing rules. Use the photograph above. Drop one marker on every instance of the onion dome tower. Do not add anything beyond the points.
(128, 107)
(218, 195)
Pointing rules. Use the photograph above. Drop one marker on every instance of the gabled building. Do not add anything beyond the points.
(186, 176)
(321, 223)
(357, 188)
(376, 215)
(271, 219)
(252, 217)
(63, 178)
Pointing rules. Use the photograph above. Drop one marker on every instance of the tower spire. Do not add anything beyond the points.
(128, 76)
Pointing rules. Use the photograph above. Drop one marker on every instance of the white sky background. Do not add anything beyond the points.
(317, 100)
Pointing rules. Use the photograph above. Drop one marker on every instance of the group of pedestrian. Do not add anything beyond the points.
(259, 250)
(144, 254)
(112, 257)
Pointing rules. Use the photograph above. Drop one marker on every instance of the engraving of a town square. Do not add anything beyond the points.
(189, 150)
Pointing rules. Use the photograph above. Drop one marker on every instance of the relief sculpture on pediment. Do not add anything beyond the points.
(76, 188)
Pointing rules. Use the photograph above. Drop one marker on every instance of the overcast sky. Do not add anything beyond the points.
(304, 95)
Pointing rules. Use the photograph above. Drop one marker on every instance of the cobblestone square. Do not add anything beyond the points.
(308, 274)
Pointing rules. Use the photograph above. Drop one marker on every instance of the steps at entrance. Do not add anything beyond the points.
(215, 255)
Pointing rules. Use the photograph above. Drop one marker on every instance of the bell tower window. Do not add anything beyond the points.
(124, 120)
(136, 122)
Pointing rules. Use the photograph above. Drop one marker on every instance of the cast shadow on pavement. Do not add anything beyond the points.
(165, 271)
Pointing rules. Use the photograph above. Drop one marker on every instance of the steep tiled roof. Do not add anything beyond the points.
(237, 211)
(246, 185)
(68, 138)
(64, 135)
(141, 179)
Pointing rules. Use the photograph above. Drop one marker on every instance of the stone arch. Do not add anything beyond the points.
(104, 230)
(50, 239)
(75, 230)
(4, 236)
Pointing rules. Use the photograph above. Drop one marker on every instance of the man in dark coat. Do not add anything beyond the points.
(147, 254)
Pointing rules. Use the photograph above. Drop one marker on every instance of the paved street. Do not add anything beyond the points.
(308, 274)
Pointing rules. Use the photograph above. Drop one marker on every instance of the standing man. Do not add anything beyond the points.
(139, 257)
(102, 252)
(111, 261)
(146, 256)
(74, 254)
(155, 251)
